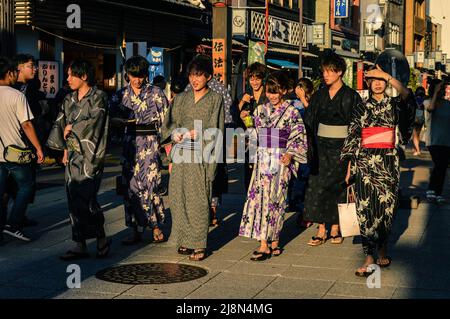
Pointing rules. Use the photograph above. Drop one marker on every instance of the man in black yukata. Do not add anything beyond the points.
(327, 118)
(81, 131)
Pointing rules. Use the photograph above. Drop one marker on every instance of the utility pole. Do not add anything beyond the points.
(300, 46)
(266, 38)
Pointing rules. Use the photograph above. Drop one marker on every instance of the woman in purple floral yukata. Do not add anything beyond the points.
(281, 149)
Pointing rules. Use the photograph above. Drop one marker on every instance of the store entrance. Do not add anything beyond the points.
(104, 64)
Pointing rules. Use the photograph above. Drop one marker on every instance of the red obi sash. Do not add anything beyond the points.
(378, 137)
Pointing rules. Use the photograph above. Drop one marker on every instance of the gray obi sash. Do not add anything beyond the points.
(332, 131)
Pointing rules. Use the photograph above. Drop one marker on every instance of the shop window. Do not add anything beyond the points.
(394, 34)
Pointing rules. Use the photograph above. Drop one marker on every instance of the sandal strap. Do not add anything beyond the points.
(198, 254)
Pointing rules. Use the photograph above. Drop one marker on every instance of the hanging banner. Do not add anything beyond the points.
(348, 76)
(239, 22)
(341, 9)
(410, 59)
(318, 33)
(49, 76)
(156, 60)
(218, 55)
(256, 52)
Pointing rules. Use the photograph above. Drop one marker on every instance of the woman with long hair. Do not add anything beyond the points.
(281, 149)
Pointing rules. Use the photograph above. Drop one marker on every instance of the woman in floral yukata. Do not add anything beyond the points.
(141, 112)
(282, 147)
(374, 161)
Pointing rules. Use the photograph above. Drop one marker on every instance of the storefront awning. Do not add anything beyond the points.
(283, 64)
(348, 54)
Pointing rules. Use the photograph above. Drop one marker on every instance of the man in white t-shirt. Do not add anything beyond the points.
(15, 119)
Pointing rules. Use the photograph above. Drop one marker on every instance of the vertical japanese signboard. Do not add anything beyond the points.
(49, 77)
(218, 55)
(341, 8)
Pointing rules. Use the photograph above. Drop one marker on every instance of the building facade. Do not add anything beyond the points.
(415, 26)
(6, 27)
(394, 25)
(439, 11)
(53, 33)
(345, 37)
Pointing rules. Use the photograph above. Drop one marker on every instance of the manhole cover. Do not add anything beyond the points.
(151, 273)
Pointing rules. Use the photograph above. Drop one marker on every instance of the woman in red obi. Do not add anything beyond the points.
(374, 163)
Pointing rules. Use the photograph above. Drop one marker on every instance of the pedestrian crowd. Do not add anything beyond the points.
(306, 149)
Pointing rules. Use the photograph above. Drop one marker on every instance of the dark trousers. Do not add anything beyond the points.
(23, 176)
(85, 213)
(440, 156)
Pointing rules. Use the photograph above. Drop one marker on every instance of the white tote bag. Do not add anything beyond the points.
(348, 220)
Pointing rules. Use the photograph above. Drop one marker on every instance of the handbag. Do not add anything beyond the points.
(348, 219)
(17, 155)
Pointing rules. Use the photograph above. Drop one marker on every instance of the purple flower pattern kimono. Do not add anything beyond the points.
(266, 203)
(141, 162)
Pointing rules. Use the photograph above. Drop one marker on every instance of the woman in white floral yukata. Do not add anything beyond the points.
(281, 148)
(374, 162)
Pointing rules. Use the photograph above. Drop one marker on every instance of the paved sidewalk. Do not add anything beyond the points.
(420, 248)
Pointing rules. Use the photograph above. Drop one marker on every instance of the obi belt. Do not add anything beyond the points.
(378, 137)
(142, 129)
(273, 138)
(332, 131)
